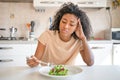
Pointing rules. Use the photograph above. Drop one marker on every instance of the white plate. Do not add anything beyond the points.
(72, 70)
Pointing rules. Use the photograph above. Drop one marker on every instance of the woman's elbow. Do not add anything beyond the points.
(90, 63)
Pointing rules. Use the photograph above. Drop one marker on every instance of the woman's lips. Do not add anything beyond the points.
(65, 31)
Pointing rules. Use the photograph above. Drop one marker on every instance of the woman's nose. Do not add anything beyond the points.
(66, 26)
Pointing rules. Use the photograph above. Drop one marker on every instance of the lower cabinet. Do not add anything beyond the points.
(116, 54)
(102, 54)
(15, 54)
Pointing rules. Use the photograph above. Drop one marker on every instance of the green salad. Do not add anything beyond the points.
(58, 70)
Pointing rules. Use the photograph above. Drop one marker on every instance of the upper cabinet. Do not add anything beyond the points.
(38, 4)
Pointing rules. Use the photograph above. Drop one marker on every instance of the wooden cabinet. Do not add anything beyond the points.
(102, 54)
(15, 54)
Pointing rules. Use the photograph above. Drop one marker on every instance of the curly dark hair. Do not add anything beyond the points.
(72, 9)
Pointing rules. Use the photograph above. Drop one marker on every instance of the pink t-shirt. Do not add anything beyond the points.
(58, 51)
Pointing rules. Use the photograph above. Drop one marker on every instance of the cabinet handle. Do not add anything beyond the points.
(6, 60)
(97, 47)
(3, 48)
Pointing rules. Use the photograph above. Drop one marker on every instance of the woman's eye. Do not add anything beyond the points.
(63, 22)
(72, 25)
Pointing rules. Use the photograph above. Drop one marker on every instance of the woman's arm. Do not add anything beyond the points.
(86, 53)
(38, 54)
(40, 50)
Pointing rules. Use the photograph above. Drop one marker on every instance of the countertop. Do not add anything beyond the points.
(89, 73)
(18, 41)
(100, 41)
(35, 41)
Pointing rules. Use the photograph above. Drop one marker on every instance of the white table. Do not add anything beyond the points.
(89, 73)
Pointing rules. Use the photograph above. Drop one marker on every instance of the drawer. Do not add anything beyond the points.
(102, 53)
(101, 48)
(13, 49)
(13, 61)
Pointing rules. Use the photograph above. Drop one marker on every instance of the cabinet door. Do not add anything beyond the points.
(102, 53)
(79, 60)
(116, 54)
(15, 49)
(33, 48)
(13, 60)
(14, 54)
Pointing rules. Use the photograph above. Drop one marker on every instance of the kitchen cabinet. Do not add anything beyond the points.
(102, 54)
(15, 54)
(39, 4)
(33, 48)
(116, 54)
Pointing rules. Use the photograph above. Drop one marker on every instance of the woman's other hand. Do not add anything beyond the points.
(79, 31)
(32, 62)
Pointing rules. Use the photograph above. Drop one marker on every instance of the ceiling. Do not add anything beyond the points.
(26, 1)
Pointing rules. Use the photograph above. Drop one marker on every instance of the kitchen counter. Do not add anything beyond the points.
(100, 41)
(88, 73)
(116, 41)
(35, 41)
(18, 41)
(105, 41)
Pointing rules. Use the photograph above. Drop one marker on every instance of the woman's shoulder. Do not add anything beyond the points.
(49, 33)
(46, 35)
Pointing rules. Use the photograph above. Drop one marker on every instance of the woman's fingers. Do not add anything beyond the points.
(32, 62)
(79, 25)
(79, 31)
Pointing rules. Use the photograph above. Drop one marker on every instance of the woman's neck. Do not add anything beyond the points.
(65, 38)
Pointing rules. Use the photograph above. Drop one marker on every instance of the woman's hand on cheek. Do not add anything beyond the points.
(79, 31)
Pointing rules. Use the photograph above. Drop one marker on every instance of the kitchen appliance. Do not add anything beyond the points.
(115, 33)
(13, 33)
(31, 33)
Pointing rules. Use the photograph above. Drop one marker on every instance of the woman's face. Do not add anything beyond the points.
(68, 24)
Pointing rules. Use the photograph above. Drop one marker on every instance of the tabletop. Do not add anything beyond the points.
(88, 73)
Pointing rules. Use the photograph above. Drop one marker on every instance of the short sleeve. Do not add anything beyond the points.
(43, 38)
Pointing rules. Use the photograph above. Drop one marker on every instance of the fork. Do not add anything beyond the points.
(41, 62)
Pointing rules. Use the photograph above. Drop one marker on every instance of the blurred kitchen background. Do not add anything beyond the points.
(19, 14)
(27, 19)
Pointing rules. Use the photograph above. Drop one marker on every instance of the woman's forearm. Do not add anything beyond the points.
(87, 53)
(40, 50)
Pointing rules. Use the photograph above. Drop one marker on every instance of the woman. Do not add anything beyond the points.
(66, 38)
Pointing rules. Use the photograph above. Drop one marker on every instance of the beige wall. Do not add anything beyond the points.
(25, 13)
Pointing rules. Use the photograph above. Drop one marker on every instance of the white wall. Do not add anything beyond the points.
(25, 13)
